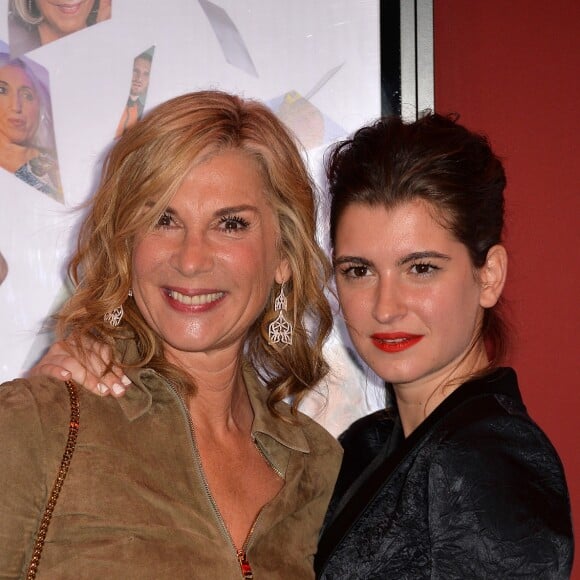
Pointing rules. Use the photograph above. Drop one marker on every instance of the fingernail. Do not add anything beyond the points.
(103, 389)
(126, 380)
(118, 389)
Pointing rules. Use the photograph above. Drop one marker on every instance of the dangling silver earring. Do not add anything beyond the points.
(280, 330)
(130, 293)
(115, 316)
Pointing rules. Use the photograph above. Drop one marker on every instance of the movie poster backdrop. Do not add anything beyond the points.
(74, 78)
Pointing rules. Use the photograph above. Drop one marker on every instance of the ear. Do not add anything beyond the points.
(283, 271)
(492, 276)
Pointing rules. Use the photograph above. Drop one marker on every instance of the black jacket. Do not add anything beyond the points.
(476, 491)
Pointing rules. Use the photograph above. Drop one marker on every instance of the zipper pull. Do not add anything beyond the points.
(247, 573)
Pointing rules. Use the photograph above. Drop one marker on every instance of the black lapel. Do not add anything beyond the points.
(502, 381)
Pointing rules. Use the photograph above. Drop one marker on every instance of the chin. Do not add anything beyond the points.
(396, 372)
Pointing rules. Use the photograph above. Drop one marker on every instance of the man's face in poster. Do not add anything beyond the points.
(140, 79)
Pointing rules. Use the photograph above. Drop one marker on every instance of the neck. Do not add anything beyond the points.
(417, 400)
(221, 400)
(14, 156)
(47, 33)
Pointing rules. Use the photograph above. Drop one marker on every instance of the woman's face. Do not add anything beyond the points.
(62, 17)
(203, 275)
(19, 106)
(409, 294)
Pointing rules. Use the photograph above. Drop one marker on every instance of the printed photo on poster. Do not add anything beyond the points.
(27, 145)
(34, 23)
(135, 106)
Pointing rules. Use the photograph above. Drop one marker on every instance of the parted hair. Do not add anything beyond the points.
(141, 174)
(437, 160)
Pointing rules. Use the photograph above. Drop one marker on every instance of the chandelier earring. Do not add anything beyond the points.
(280, 330)
(115, 316)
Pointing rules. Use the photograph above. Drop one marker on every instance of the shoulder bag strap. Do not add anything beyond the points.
(64, 465)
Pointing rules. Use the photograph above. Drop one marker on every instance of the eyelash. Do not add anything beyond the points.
(351, 271)
(431, 268)
(166, 220)
(238, 220)
(421, 269)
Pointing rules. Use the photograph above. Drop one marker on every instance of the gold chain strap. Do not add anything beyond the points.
(64, 465)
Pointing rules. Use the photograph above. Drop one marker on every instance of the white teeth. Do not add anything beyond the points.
(196, 300)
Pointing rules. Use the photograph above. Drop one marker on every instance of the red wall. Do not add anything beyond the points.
(511, 69)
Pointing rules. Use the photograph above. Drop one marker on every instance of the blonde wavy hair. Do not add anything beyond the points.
(142, 172)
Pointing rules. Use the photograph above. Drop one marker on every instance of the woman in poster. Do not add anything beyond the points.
(33, 23)
(26, 139)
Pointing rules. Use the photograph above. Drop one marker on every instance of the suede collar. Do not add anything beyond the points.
(271, 433)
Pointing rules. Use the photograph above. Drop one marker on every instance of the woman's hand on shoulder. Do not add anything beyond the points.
(64, 361)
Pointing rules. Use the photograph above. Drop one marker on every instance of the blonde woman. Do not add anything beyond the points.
(197, 265)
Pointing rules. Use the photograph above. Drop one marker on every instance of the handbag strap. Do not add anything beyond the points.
(63, 470)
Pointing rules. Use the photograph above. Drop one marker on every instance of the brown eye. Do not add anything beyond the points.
(165, 220)
(355, 271)
(423, 269)
(234, 223)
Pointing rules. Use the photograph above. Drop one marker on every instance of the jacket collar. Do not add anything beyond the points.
(500, 382)
(285, 431)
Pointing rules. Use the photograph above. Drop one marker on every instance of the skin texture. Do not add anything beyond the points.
(216, 245)
(62, 17)
(400, 271)
(19, 116)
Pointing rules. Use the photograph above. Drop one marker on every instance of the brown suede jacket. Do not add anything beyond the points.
(134, 504)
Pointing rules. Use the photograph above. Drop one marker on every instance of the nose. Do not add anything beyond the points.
(193, 254)
(389, 305)
(16, 102)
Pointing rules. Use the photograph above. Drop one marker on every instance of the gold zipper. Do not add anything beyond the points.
(245, 567)
(241, 556)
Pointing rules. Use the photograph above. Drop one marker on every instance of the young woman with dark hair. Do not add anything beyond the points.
(455, 481)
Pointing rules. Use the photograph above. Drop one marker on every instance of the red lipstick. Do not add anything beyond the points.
(395, 341)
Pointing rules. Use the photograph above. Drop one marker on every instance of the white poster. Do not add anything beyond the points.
(75, 73)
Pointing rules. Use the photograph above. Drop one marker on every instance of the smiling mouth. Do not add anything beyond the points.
(69, 8)
(197, 300)
(17, 123)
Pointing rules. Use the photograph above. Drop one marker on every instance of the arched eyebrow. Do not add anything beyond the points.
(426, 255)
(351, 260)
(221, 212)
(225, 211)
(413, 257)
